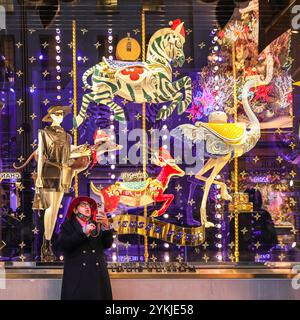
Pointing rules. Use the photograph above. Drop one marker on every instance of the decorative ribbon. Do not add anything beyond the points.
(184, 236)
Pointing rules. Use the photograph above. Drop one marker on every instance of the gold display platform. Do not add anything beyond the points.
(203, 273)
(272, 281)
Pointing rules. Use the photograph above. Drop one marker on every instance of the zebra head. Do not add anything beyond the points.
(175, 41)
(168, 43)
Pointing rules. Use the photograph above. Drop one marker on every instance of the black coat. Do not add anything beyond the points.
(85, 269)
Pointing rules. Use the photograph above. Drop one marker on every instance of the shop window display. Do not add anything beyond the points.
(185, 133)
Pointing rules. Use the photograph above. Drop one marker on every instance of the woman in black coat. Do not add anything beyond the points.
(83, 241)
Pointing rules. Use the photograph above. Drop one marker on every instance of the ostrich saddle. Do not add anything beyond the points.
(230, 133)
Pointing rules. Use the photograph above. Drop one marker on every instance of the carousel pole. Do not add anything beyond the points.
(236, 163)
(76, 187)
(146, 253)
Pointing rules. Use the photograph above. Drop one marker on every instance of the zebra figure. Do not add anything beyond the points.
(140, 82)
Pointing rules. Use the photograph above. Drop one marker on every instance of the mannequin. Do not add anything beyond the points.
(54, 175)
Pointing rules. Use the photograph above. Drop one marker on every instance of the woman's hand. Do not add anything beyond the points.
(102, 219)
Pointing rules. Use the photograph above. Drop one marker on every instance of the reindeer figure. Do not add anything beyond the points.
(141, 193)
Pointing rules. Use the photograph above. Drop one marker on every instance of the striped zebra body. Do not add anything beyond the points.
(150, 81)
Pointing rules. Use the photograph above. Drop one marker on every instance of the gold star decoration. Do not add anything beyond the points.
(35, 230)
(188, 31)
(86, 174)
(138, 145)
(33, 116)
(243, 174)
(138, 116)
(127, 258)
(22, 245)
(205, 245)
(232, 257)
(20, 130)
(70, 45)
(125, 130)
(85, 59)
(231, 245)
(45, 73)
(257, 216)
(46, 101)
(279, 131)
(244, 230)
(205, 258)
(281, 257)
(293, 202)
(292, 145)
(19, 45)
(71, 74)
(294, 231)
(176, 73)
(32, 59)
(281, 245)
(21, 158)
(179, 258)
(201, 45)
(189, 116)
(97, 44)
(20, 102)
(231, 216)
(19, 73)
(22, 257)
(178, 187)
(293, 174)
(153, 245)
(179, 216)
(255, 159)
(191, 202)
(191, 173)
(151, 131)
(257, 245)
(31, 31)
(279, 159)
(45, 44)
(136, 31)
(33, 87)
(22, 216)
(189, 59)
(153, 258)
(256, 187)
(127, 245)
(20, 186)
(124, 102)
(84, 31)
(125, 159)
(33, 144)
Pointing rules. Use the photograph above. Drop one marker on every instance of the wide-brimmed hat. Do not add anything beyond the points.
(66, 110)
(75, 202)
